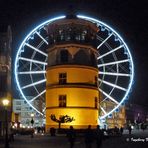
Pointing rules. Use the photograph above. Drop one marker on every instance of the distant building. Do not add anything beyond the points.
(117, 118)
(5, 73)
(136, 113)
(25, 114)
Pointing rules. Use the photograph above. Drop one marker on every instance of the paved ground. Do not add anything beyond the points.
(138, 139)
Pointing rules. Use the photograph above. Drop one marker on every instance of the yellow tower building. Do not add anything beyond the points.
(72, 73)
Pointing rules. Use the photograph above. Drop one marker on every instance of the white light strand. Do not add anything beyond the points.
(103, 110)
(41, 37)
(31, 72)
(104, 40)
(35, 83)
(113, 63)
(111, 98)
(113, 50)
(114, 74)
(34, 48)
(113, 85)
(30, 60)
(37, 96)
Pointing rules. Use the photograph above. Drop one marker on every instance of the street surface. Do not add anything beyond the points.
(138, 139)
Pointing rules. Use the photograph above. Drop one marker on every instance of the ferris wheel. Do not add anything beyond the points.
(115, 65)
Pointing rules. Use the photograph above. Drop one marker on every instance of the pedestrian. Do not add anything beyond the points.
(98, 136)
(130, 129)
(89, 137)
(52, 131)
(71, 136)
(121, 130)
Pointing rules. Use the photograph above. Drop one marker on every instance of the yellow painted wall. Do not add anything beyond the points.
(83, 97)
(80, 98)
(83, 117)
(75, 74)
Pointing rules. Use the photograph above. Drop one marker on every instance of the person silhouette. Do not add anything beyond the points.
(121, 130)
(98, 136)
(89, 136)
(130, 129)
(71, 136)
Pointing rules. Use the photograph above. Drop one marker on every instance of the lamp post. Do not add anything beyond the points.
(32, 121)
(6, 103)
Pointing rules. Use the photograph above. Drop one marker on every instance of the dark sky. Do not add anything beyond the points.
(128, 17)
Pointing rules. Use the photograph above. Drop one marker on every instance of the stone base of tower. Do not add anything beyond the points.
(82, 117)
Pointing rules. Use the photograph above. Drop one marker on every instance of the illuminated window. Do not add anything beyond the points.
(96, 102)
(18, 108)
(62, 100)
(18, 103)
(62, 78)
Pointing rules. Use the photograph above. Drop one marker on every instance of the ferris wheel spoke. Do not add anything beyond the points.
(108, 96)
(44, 109)
(31, 72)
(30, 60)
(113, 85)
(113, 50)
(113, 63)
(37, 96)
(34, 48)
(33, 84)
(41, 37)
(114, 74)
(103, 110)
(104, 40)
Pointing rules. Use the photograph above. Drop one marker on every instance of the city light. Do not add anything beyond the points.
(5, 102)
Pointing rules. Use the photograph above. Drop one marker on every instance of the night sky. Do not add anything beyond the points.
(127, 17)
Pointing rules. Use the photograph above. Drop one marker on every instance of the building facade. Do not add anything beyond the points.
(72, 73)
(23, 114)
(5, 74)
(117, 118)
(136, 114)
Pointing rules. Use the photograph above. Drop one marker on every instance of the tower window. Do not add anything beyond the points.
(96, 81)
(62, 78)
(62, 100)
(96, 102)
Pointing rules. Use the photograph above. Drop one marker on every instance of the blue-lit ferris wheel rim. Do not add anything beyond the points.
(19, 50)
(129, 54)
(98, 22)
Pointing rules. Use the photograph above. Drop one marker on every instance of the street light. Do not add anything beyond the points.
(32, 115)
(6, 103)
(32, 121)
